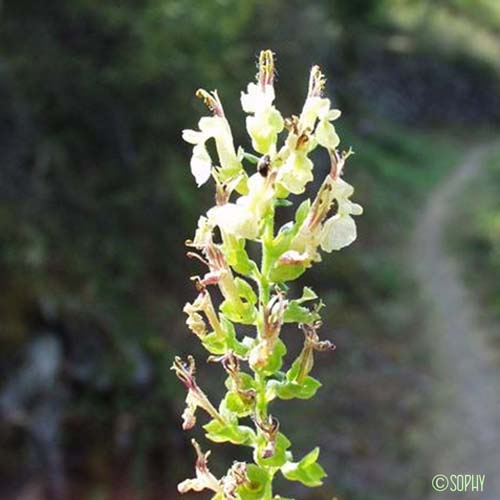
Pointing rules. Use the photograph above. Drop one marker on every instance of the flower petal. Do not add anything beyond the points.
(326, 135)
(333, 114)
(338, 232)
(264, 128)
(314, 108)
(296, 173)
(257, 98)
(193, 136)
(201, 164)
(235, 219)
(356, 209)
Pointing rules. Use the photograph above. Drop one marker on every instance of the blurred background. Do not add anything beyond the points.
(96, 201)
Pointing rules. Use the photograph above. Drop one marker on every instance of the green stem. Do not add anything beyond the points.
(261, 402)
(267, 259)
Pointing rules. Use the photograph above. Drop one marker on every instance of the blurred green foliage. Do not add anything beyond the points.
(478, 217)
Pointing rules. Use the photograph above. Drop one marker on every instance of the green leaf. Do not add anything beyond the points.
(246, 381)
(231, 341)
(281, 242)
(251, 158)
(245, 291)
(275, 361)
(302, 212)
(246, 313)
(281, 202)
(292, 389)
(258, 486)
(295, 313)
(307, 471)
(214, 344)
(238, 405)
(307, 294)
(286, 272)
(220, 432)
(237, 257)
(284, 231)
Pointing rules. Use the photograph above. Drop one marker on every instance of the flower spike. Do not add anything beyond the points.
(250, 188)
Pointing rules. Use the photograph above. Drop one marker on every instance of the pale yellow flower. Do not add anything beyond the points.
(266, 121)
(318, 109)
(339, 231)
(212, 127)
(234, 219)
(296, 172)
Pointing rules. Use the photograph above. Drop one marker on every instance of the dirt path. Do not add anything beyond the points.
(464, 431)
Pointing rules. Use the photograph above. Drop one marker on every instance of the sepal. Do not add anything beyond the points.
(291, 389)
(245, 313)
(237, 257)
(258, 486)
(215, 344)
(219, 432)
(307, 471)
(280, 455)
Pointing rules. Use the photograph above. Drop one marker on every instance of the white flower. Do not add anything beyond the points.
(325, 132)
(264, 128)
(314, 107)
(234, 219)
(319, 108)
(259, 197)
(266, 122)
(339, 231)
(336, 232)
(201, 164)
(257, 98)
(241, 219)
(296, 172)
(212, 127)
